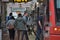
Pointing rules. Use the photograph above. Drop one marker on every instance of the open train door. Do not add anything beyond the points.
(46, 22)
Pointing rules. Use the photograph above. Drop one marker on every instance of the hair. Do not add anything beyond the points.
(43, 5)
(19, 15)
(12, 17)
(10, 14)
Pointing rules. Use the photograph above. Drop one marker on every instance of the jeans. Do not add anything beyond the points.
(38, 33)
(11, 34)
(26, 35)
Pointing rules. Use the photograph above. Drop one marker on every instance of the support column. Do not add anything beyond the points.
(3, 11)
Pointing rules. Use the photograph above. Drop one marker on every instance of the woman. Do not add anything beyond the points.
(10, 26)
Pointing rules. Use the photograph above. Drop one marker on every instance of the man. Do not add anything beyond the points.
(20, 26)
(25, 17)
(40, 21)
(39, 26)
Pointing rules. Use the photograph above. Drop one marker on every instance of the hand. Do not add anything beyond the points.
(41, 27)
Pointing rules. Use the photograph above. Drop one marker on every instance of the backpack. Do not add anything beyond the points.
(9, 25)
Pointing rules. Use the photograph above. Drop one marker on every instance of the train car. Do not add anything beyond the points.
(52, 31)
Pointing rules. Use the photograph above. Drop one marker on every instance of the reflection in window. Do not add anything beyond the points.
(57, 7)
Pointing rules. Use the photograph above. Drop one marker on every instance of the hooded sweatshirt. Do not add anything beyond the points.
(20, 24)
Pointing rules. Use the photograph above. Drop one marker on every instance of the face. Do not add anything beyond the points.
(26, 14)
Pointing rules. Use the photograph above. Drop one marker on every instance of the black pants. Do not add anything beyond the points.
(11, 34)
(28, 27)
(26, 35)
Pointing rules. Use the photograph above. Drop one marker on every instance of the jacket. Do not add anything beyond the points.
(20, 24)
(10, 24)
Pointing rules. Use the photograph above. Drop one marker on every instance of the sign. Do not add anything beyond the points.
(20, 0)
(28, 4)
(18, 9)
(5, 0)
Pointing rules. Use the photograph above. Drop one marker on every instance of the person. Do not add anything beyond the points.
(10, 26)
(20, 26)
(25, 17)
(8, 17)
(39, 26)
(29, 24)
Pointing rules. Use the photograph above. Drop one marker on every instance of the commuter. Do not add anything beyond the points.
(10, 26)
(39, 26)
(25, 17)
(29, 24)
(20, 26)
(8, 17)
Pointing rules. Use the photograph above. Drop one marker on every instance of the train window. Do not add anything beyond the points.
(57, 15)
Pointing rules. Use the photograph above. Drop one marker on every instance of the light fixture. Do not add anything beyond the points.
(55, 29)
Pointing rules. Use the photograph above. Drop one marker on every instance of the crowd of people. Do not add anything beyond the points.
(21, 25)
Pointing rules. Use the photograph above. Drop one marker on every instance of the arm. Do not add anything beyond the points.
(7, 24)
(40, 24)
(15, 23)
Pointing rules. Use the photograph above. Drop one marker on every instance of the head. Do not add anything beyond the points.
(31, 14)
(19, 15)
(25, 14)
(12, 18)
(43, 5)
(10, 14)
